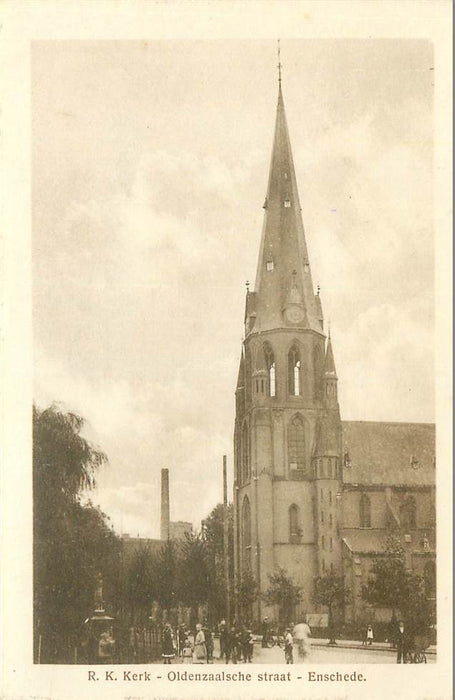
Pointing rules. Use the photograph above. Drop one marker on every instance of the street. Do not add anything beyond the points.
(332, 655)
(345, 652)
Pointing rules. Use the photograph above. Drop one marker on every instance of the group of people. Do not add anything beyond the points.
(297, 639)
(236, 643)
(194, 648)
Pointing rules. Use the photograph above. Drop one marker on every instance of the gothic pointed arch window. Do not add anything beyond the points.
(296, 443)
(365, 511)
(245, 453)
(408, 513)
(271, 369)
(294, 371)
(246, 534)
(294, 524)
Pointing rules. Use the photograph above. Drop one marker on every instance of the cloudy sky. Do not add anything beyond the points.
(150, 165)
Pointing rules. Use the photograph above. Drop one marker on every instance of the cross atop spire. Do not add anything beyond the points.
(279, 64)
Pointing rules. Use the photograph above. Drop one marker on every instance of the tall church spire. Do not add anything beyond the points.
(284, 289)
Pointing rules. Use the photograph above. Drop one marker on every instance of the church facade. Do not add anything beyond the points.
(314, 494)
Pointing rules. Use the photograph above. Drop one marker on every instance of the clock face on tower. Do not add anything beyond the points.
(294, 314)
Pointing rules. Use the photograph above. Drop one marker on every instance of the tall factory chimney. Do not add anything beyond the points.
(165, 517)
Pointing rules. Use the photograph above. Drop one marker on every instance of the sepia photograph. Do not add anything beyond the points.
(233, 286)
(225, 338)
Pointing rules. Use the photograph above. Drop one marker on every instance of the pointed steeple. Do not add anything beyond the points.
(329, 366)
(284, 289)
(241, 374)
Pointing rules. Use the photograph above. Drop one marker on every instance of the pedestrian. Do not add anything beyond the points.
(200, 651)
(223, 630)
(301, 635)
(370, 635)
(181, 637)
(232, 646)
(265, 632)
(244, 643)
(288, 647)
(187, 651)
(250, 646)
(167, 644)
(402, 642)
(208, 642)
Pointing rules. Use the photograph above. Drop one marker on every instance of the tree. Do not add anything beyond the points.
(195, 580)
(282, 591)
(247, 593)
(72, 541)
(391, 585)
(140, 583)
(213, 536)
(165, 567)
(330, 591)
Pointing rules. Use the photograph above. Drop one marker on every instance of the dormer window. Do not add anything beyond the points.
(287, 203)
(269, 265)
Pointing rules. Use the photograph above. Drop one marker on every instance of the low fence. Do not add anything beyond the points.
(133, 645)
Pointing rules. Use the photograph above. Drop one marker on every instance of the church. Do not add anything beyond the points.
(312, 493)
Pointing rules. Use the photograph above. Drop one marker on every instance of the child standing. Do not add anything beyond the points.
(187, 651)
(288, 647)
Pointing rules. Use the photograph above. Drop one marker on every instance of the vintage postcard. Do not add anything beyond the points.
(226, 350)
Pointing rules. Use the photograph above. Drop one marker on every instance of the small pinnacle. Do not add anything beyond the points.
(247, 285)
(279, 64)
(319, 289)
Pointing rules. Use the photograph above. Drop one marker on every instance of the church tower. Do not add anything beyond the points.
(287, 439)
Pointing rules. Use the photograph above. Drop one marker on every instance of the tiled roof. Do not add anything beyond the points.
(370, 541)
(389, 453)
(365, 540)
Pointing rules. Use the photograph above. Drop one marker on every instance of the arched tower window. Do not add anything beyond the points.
(408, 513)
(246, 534)
(296, 443)
(365, 511)
(270, 364)
(294, 371)
(294, 524)
(245, 453)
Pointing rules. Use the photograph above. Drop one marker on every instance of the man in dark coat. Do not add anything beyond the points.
(223, 637)
(403, 643)
(208, 642)
(232, 646)
(265, 632)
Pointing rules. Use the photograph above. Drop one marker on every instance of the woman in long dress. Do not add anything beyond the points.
(200, 651)
(167, 644)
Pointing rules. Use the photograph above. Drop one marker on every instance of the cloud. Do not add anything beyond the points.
(143, 243)
(391, 351)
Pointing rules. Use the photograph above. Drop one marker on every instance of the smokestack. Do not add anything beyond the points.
(165, 517)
